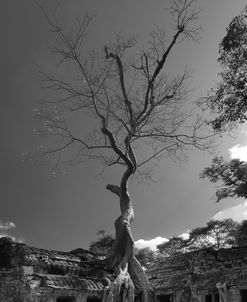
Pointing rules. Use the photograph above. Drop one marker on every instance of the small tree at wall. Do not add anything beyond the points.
(137, 114)
(215, 234)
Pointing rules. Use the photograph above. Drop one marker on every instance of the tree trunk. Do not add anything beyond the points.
(130, 275)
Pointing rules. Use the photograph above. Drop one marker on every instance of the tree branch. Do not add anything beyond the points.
(114, 189)
(121, 77)
(156, 72)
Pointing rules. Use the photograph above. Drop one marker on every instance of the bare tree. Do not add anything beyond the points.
(137, 114)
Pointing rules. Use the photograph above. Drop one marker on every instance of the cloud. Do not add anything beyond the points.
(152, 243)
(7, 225)
(237, 213)
(239, 151)
(5, 230)
(185, 236)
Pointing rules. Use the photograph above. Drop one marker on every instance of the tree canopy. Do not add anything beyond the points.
(215, 234)
(231, 177)
(146, 256)
(241, 235)
(228, 99)
(102, 245)
(175, 245)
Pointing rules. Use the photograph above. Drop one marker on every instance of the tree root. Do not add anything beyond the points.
(140, 280)
(129, 272)
(113, 289)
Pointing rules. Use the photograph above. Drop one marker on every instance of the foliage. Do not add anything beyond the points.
(229, 102)
(215, 234)
(175, 245)
(231, 177)
(241, 234)
(102, 245)
(228, 99)
(145, 256)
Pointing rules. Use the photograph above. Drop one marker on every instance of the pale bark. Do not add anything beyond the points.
(129, 273)
(222, 292)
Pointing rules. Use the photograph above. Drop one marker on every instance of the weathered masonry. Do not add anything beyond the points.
(32, 274)
(201, 276)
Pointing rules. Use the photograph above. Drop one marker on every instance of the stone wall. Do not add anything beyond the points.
(201, 276)
(29, 274)
(18, 285)
(13, 286)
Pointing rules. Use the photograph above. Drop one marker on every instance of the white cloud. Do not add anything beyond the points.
(7, 225)
(237, 213)
(185, 236)
(152, 243)
(239, 151)
(6, 230)
(13, 238)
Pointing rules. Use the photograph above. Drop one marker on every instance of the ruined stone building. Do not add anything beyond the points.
(38, 275)
(32, 274)
(201, 276)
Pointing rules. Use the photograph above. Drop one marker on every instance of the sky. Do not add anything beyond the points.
(67, 211)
